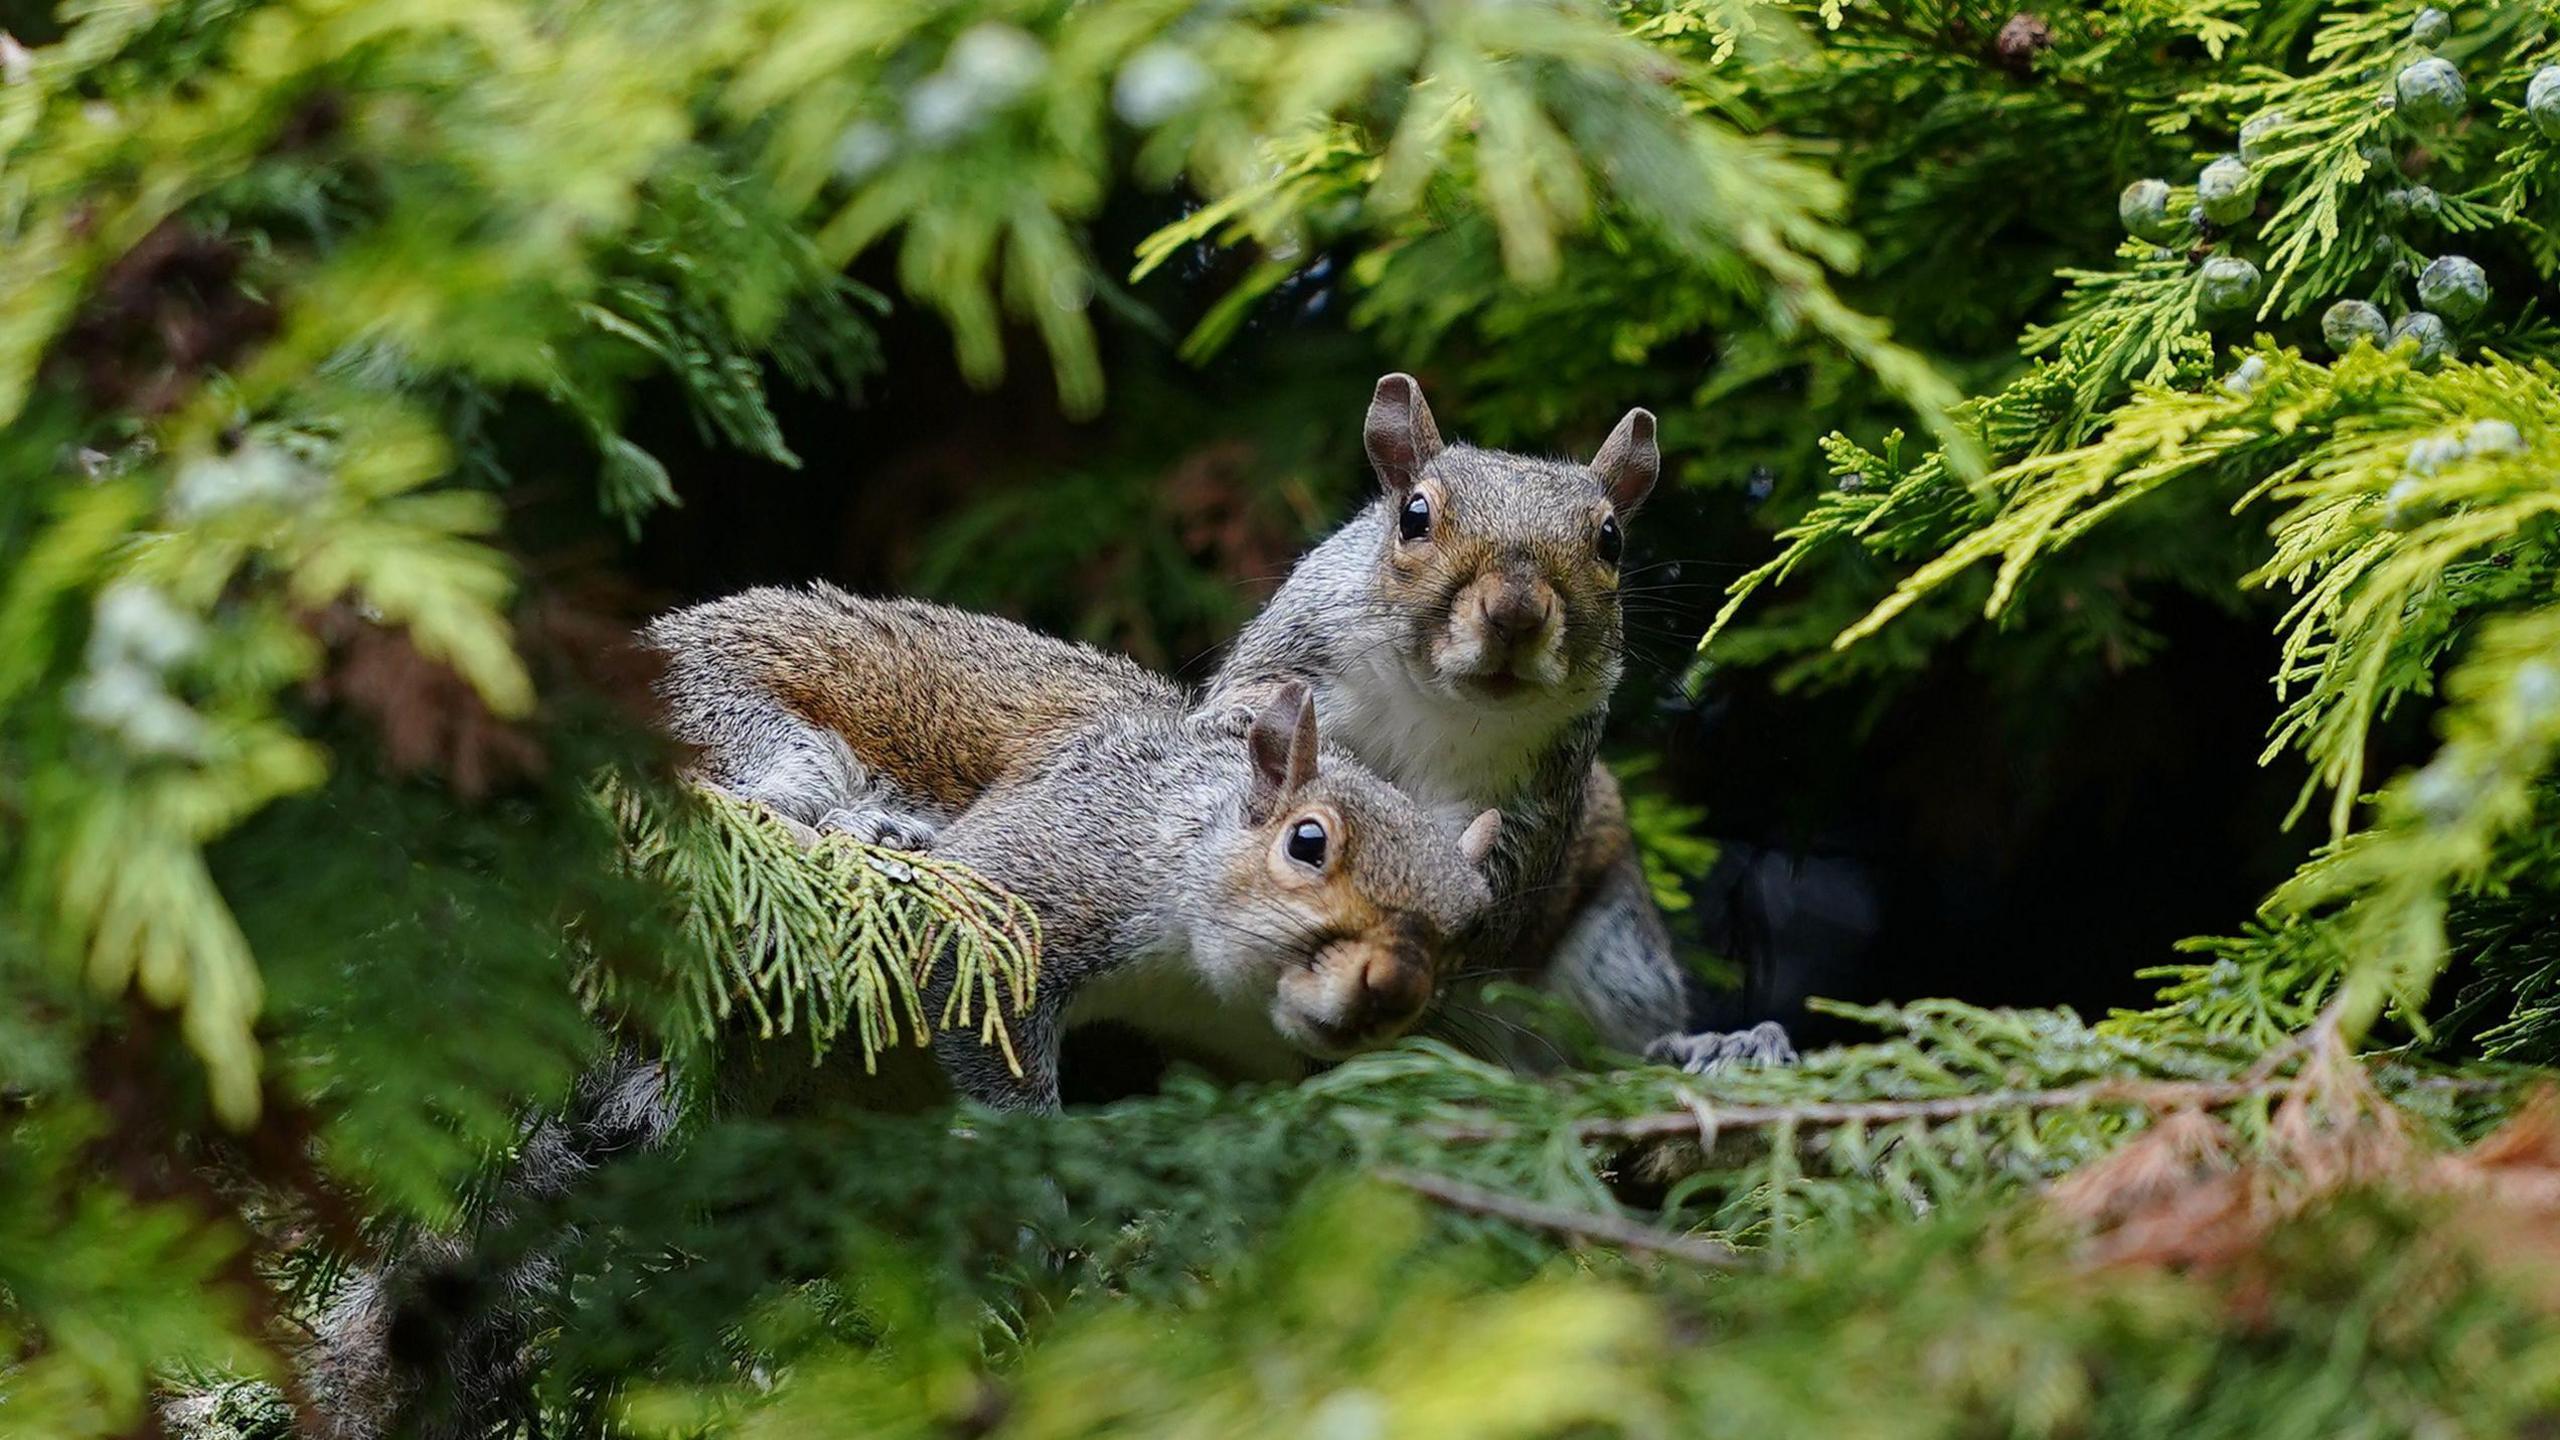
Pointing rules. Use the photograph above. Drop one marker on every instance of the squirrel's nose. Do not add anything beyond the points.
(1393, 990)
(1515, 613)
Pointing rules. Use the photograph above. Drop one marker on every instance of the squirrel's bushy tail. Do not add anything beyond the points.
(432, 1342)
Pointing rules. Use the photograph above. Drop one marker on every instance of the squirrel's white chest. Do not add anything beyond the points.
(1162, 994)
(1438, 750)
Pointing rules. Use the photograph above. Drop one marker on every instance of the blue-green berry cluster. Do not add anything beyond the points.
(2227, 282)
(2453, 286)
(2542, 100)
(2228, 190)
(2430, 92)
(2451, 289)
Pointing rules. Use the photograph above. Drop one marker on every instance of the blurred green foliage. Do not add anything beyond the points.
(311, 886)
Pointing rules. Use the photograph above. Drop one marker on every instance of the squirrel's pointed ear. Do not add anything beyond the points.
(1629, 461)
(1282, 740)
(1481, 833)
(1399, 434)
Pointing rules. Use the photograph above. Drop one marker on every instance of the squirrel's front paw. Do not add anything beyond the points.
(888, 829)
(1707, 1051)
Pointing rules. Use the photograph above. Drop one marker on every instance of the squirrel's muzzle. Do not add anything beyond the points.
(1394, 986)
(1516, 612)
(1357, 993)
(1503, 633)
(1514, 615)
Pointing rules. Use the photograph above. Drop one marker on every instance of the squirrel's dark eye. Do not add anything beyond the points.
(1414, 520)
(1306, 843)
(1612, 544)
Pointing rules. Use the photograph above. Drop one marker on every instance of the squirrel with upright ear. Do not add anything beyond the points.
(1217, 879)
(1220, 875)
(1463, 634)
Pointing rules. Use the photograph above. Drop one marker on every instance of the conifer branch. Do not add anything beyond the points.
(829, 938)
(1563, 1220)
(1703, 1119)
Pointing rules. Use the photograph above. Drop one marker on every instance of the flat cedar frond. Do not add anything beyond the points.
(833, 938)
(369, 312)
(2121, 328)
(1959, 1100)
(2401, 534)
(2405, 498)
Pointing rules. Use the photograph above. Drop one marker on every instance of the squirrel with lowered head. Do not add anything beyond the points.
(1461, 637)
(1216, 879)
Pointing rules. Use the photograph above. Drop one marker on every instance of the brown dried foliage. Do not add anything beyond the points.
(157, 1153)
(2190, 1196)
(576, 629)
(575, 636)
(427, 716)
(1218, 512)
(165, 312)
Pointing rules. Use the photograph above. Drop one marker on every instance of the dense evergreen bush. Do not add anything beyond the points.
(339, 341)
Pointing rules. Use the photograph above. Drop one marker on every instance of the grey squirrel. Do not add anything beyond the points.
(1463, 647)
(1462, 635)
(1215, 878)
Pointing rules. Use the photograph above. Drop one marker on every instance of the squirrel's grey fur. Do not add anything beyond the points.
(1035, 774)
(1134, 829)
(431, 1345)
(1135, 843)
(1394, 637)
(1151, 842)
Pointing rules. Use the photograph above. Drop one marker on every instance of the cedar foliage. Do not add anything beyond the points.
(332, 844)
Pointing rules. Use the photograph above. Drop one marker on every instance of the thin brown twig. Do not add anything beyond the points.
(2321, 1034)
(1585, 1224)
(2468, 1084)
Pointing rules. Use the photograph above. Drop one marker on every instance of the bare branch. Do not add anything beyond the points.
(1703, 1118)
(1584, 1224)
